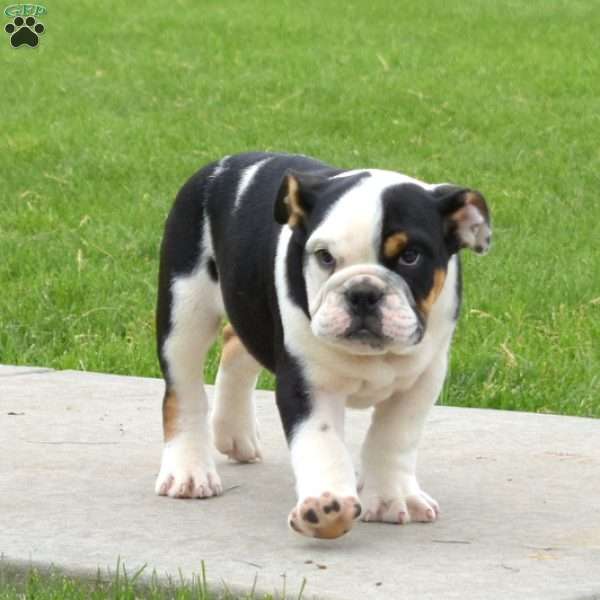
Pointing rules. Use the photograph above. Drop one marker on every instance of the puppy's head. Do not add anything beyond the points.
(369, 253)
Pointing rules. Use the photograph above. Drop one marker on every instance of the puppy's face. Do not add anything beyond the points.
(370, 250)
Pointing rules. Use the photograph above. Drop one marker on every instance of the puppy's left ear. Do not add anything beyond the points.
(296, 197)
(466, 218)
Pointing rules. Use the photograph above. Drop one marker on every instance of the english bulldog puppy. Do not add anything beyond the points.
(346, 284)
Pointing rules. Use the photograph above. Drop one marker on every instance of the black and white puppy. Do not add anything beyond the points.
(346, 285)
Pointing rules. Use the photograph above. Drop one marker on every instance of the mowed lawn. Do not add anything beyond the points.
(121, 102)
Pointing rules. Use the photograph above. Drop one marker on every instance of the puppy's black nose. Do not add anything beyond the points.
(363, 298)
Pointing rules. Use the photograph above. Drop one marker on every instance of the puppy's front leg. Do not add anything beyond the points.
(325, 480)
(389, 488)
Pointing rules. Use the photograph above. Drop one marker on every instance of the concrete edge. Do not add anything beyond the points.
(24, 370)
(49, 371)
(14, 571)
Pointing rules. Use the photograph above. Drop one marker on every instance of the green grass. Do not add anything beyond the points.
(121, 102)
(52, 584)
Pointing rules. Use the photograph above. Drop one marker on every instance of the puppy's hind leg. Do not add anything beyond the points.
(234, 419)
(195, 309)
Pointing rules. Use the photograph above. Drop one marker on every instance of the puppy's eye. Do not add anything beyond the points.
(410, 257)
(325, 259)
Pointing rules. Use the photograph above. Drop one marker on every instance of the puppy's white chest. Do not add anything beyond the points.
(369, 394)
(389, 377)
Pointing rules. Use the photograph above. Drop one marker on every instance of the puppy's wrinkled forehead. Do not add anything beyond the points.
(351, 227)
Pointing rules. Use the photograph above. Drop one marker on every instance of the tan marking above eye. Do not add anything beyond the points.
(395, 244)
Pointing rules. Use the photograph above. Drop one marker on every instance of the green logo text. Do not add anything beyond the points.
(25, 10)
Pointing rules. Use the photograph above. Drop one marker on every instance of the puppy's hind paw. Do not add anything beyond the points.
(420, 507)
(238, 443)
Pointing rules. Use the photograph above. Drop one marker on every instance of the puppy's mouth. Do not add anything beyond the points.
(366, 330)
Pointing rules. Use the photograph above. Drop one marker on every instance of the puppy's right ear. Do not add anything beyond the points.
(296, 198)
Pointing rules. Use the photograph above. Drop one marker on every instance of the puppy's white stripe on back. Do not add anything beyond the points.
(219, 168)
(248, 175)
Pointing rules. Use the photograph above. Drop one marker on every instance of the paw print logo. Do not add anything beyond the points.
(24, 31)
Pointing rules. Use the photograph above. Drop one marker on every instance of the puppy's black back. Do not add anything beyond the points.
(246, 234)
(236, 197)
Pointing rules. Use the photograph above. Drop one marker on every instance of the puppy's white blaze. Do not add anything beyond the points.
(248, 174)
(385, 178)
(352, 224)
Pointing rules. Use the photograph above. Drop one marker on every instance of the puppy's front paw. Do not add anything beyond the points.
(419, 507)
(183, 474)
(238, 440)
(328, 516)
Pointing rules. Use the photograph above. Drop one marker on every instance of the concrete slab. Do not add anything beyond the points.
(519, 496)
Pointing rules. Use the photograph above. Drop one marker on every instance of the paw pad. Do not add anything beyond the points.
(325, 517)
(24, 31)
